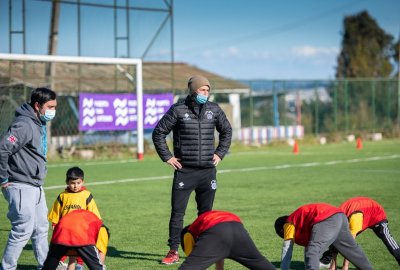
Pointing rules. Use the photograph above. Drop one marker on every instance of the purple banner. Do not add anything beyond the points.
(119, 111)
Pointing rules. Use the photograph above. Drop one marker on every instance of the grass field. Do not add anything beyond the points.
(257, 184)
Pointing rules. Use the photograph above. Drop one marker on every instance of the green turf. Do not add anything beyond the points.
(275, 183)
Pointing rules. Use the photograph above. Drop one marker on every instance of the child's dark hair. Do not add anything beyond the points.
(279, 223)
(74, 173)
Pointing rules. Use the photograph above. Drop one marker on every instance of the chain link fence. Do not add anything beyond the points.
(325, 107)
(321, 108)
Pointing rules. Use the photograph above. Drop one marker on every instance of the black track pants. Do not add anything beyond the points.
(382, 231)
(204, 183)
(89, 254)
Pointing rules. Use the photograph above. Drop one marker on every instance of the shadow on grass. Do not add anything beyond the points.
(299, 265)
(26, 267)
(295, 265)
(115, 253)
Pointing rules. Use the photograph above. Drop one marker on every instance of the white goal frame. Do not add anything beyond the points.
(97, 60)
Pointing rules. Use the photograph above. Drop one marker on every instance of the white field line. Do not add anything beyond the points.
(109, 162)
(277, 167)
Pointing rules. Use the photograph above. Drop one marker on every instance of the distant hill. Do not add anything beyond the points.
(73, 78)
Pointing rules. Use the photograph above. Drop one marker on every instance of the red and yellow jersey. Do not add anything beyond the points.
(372, 213)
(209, 219)
(80, 228)
(302, 220)
(69, 201)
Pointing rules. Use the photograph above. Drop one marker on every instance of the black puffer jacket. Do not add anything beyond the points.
(193, 133)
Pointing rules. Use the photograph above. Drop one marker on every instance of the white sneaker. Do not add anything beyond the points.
(79, 266)
(326, 266)
(62, 266)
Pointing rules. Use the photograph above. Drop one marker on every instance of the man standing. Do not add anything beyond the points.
(23, 151)
(193, 122)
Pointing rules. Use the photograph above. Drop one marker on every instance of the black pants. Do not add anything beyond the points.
(204, 183)
(382, 231)
(225, 240)
(89, 254)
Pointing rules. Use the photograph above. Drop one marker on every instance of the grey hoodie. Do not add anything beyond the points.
(23, 149)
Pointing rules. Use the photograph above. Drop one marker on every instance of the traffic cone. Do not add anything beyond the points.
(296, 149)
(359, 144)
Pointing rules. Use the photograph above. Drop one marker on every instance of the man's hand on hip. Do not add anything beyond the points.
(216, 160)
(174, 162)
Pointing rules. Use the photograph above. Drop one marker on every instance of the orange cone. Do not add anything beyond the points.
(296, 149)
(359, 144)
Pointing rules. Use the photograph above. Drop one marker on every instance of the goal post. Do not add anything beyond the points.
(137, 79)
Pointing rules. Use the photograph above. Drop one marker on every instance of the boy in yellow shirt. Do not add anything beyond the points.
(74, 197)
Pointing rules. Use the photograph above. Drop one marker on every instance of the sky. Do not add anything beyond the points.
(237, 39)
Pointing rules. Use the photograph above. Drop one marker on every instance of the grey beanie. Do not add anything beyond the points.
(196, 82)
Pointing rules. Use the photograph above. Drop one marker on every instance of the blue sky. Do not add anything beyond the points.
(239, 39)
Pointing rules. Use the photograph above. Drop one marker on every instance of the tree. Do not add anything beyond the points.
(367, 50)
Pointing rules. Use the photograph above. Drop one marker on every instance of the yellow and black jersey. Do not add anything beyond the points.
(69, 201)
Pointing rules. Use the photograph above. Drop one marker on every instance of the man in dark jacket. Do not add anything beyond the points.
(23, 150)
(193, 122)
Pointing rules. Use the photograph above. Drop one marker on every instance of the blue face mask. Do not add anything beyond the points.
(48, 115)
(201, 99)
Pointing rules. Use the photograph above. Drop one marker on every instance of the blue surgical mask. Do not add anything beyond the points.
(201, 99)
(48, 115)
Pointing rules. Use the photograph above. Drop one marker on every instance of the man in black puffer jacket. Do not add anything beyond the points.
(193, 122)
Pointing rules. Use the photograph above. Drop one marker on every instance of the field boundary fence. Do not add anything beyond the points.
(324, 107)
(270, 110)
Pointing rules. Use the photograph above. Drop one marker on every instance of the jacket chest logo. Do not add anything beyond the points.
(186, 117)
(209, 115)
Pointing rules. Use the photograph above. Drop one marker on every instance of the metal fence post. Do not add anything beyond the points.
(316, 109)
(251, 106)
(335, 104)
(276, 109)
(373, 106)
(346, 106)
(398, 100)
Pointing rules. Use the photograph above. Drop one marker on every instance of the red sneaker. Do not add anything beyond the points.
(172, 257)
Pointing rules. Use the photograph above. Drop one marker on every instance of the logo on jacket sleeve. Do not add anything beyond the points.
(209, 115)
(12, 139)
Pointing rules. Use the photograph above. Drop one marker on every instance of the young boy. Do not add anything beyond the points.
(82, 233)
(74, 197)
